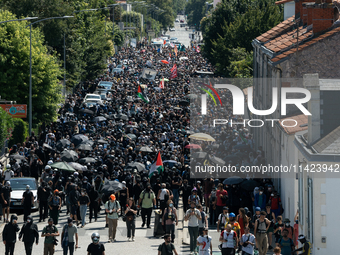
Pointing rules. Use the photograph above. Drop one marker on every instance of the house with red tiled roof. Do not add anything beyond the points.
(303, 44)
(307, 42)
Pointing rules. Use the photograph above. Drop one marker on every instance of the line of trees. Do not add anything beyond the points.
(229, 30)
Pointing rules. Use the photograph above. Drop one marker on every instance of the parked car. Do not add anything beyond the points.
(118, 70)
(172, 29)
(177, 20)
(91, 97)
(182, 20)
(18, 185)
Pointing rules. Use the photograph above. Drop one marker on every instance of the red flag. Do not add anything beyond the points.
(161, 84)
(173, 72)
(176, 50)
(164, 42)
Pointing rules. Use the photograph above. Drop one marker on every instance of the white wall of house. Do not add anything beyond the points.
(216, 2)
(289, 10)
(289, 183)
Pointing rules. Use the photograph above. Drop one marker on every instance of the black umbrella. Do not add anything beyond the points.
(102, 141)
(86, 160)
(84, 147)
(241, 147)
(78, 139)
(88, 142)
(233, 180)
(17, 156)
(249, 185)
(199, 154)
(145, 149)
(111, 187)
(99, 119)
(87, 111)
(62, 144)
(69, 156)
(72, 123)
(135, 165)
(184, 102)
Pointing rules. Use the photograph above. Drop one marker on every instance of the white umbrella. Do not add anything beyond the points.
(202, 137)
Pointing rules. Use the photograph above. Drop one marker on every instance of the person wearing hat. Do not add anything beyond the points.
(261, 227)
(204, 243)
(49, 232)
(29, 233)
(9, 235)
(67, 237)
(112, 208)
(8, 173)
(247, 242)
(6, 199)
(306, 246)
(194, 197)
(54, 204)
(260, 199)
(27, 201)
(222, 219)
(167, 247)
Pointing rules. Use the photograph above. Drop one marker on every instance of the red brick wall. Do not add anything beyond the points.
(310, 16)
(304, 14)
(323, 18)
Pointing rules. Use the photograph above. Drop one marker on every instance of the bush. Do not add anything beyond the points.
(6, 126)
(20, 132)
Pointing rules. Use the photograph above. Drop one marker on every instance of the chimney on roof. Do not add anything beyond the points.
(323, 16)
(311, 82)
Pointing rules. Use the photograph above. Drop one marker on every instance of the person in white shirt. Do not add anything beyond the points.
(193, 216)
(8, 174)
(229, 241)
(204, 243)
(247, 242)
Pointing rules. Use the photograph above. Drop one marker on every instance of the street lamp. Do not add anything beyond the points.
(28, 18)
(30, 89)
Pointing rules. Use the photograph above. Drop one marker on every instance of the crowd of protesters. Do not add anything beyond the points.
(162, 125)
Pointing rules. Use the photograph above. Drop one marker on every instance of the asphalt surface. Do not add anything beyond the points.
(180, 33)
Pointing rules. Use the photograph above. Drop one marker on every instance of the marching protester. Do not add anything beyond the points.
(6, 200)
(229, 240)
(204, 242)
(261, 227)
(29, 234)
(55, 205)
(9, 235)
(68, 234)
(193, 216)
(43, 196)
(167, 247)
(170, 219)
(130, 214)
(95, 248)
(27, 202)
(84, 202)
(147, 200)
(49, 232)
(248, 242)
(112, 208)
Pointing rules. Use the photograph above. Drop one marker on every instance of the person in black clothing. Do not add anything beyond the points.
(123, 197)
(94, 203)
(27, 201)
(186, 192)
(29, 232)
(9, 235)
(43, 195)
(95, 248)
(6, 199)
(74, 201)
(167, 247)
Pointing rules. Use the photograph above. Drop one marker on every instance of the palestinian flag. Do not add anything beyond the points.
(142, 95)
(157, 166)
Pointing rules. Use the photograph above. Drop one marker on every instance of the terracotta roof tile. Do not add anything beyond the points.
(300, 120)
(277, 30)
(304, 44)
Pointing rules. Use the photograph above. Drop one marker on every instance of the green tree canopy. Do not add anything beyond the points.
(14, 68)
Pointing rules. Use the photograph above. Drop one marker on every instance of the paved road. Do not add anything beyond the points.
(180, 33)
